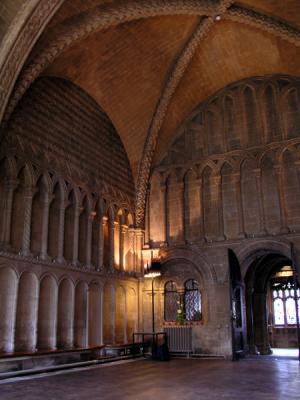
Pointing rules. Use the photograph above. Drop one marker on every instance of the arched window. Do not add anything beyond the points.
(192, 301)
(284, 305)
(171, 301)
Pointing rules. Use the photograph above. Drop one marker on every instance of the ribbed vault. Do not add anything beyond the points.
(149, 63)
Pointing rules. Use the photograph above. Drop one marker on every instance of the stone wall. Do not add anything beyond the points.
(230, 180)
(59, 126)
(212, 188)
(70, 256)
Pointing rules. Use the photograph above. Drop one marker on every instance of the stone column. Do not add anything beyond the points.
(10, 187)
(164, 190)
(181, 235)
(61, 231)
(89, 238)
(78, 210)
(45, 225)
(139, 235)
(282, 203)
(241, 223)
(123, 230)
(117, 245)
(217, 188)
(262, 222)
(147, 218)
(102, 222)
(201, 222)
(111, 228)
(28, 196)
(186, 231)
(132, 265)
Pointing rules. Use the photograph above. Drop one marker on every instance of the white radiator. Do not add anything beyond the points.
(179, 338)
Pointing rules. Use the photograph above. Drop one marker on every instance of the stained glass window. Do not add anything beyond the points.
(172, 300)
(192, 301)
(284, 305)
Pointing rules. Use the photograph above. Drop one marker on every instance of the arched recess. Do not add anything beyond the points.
(81, 315)
(27, 313)
(83, 230)
(8, 297)
(118, 251)
(38, 203)
(271, 115)
(109, 314)
(18, 210)
(129, 244)
(264, 264)
(175, 208)
(291, 190)
(65, 314)
(95, 315)
(47, 314)
(157, 205)
(192, 206)
(291, 115)
(270, 196)
(250, 199)
(237, 305)
(8, 184)
(131, 309)
(252, 119)
(214, 130)
(106, 238)
(98, 235)
(179, 268)
(70, 215)
(231, 123)
(229, 202)
(121, 315)
(210, 205)
(55, 213)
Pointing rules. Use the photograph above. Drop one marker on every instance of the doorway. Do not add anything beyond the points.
(271, 306)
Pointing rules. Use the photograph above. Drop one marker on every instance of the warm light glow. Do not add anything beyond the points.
(285, 271)
(152, 274)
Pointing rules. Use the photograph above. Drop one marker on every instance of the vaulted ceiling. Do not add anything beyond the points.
(148, 64)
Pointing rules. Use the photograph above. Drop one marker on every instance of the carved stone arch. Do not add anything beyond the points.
(174, 206)
(227, 161)
(10, 167)
(99, 205)
(69, 278)
(267, 153)
(269, 105)
(247, 253)
(252, 120)
(47, 181)
(290, 102)
(180, 268)
(288, 160)
(199, 262)
(230, 109)
(214, 128)
(208, 164)
(190, 171)
(29, 174)
(88, 199)
(62, 186)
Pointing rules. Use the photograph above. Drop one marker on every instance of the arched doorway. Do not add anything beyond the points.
(271, 303)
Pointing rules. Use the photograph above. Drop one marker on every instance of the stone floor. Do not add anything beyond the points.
(188, 379)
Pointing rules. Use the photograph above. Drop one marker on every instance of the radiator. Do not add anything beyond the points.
(179, 338)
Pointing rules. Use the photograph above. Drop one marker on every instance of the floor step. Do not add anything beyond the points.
(60, 367)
